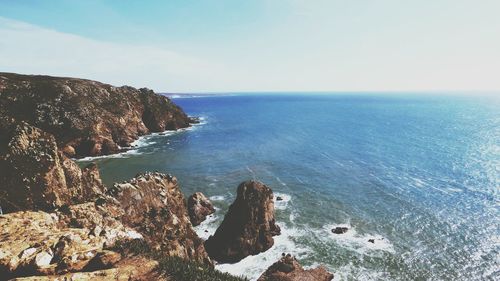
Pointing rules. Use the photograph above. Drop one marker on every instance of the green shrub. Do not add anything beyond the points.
(176, 268)
(179, 269)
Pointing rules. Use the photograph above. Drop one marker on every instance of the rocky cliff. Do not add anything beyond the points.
(87, 118)
(154, 205)
(61, 220)
(36, 175)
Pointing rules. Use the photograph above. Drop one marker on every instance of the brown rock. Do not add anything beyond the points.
(34, 243)
(289, 269)
(154, 205)
(36, 176)
(199, 207)
(128, 269)
(87, 118)
(103, 260)
(248, 227)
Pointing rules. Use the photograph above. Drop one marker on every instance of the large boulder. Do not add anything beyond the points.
(87, 118)
(248, 227)
(289, 269)
(154, 205)
(199, 207)
(35, 175)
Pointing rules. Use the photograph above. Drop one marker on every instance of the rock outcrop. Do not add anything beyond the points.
(248, 227)
(87, 118)
(199, 207)
(35, 175)
(40, 243)
(154, 205)
(289, 269)
(76, 238)
(128, 269)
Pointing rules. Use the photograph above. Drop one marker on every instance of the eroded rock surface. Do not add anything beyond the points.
(199, 207)
(128, 269)
(87, 118)
(40, 243)
(154, 205)
(289, 269)
(248, 227)
(35, 175)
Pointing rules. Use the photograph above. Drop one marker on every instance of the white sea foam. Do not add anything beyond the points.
(142, 142)
(281, 204)
(217, 198)
(253, 266)
(207, 227)
(357, 242)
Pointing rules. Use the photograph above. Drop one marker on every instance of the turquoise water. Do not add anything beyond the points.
(420, 175)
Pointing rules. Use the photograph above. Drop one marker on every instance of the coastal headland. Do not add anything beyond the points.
(59, 221)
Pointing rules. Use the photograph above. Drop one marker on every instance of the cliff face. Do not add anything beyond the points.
(59, 219)
(35, 175)
(87, 118)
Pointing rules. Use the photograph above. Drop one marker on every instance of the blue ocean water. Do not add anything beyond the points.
(419, 174)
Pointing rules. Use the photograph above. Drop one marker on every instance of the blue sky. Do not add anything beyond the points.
(259, 45)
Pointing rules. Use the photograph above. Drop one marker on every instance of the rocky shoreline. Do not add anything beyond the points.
(60, 222)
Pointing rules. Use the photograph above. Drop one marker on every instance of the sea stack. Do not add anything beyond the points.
(248, 227)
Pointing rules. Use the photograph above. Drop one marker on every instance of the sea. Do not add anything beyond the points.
(417, 174)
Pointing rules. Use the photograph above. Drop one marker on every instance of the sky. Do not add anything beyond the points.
(258, 45)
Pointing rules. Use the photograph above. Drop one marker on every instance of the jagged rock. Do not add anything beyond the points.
(87, 118)
(248, 227)
(199, 207)
(289, 269)
(36, 176)
(279, 198)
(40, 243)
(154, 205)
(128, 269)
(340, 230)
(371, 240)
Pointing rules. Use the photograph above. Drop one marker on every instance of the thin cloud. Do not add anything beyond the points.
(31, 49)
